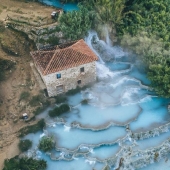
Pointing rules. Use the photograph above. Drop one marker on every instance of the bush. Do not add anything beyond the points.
(85, 101)
(75, 91)
(35, 100)
(24, 164)
(5, 65)
(60, 99)
(24, 95)
(32, 129)
(46, 144)
(57, 111)
(24, 145)
(38, 110)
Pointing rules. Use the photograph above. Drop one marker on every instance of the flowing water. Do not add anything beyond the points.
(124, 123)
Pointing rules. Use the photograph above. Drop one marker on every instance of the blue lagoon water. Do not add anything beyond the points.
(56, 3)
(122, 120)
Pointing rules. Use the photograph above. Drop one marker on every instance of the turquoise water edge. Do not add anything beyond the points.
(56, 3)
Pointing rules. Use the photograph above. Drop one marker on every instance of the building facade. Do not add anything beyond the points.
(66, 67)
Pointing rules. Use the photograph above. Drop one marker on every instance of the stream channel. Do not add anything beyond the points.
(124, 122)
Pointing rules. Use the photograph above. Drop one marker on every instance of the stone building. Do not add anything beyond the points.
(66, 66)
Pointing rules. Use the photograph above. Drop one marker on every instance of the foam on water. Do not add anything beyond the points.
(152, 142)
(163, 164)
(104, 72)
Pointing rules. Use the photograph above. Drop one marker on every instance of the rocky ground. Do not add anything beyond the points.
(20, 78)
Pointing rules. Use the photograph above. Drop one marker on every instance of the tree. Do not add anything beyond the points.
(75, 24)
(57, 111)
(109, 12)
(160, 78)
(24, 164)
(46, 144)
(24, 145)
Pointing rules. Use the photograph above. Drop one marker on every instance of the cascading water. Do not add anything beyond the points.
(90, 39)
(108, 40)
(124, 125)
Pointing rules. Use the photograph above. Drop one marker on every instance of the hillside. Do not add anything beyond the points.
(17, 78)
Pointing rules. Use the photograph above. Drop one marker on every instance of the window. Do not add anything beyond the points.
(58, 76)
(82, 69)
(79, 82)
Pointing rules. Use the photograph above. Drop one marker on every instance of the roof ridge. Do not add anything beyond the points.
(45, 71)
(64, 58)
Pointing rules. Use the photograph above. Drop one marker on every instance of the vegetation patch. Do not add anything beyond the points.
(46, 144)
(2, 27)
(75, 25)
(24, 163)
(60, 99)
(76, 90)
(85, 101)
(39, 100)
(5, 65)
(24, 145)
(32, 129)
(38, 110)
(57, 111)
(24, 95)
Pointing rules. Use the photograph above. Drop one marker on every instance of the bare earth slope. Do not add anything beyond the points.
(20, 78)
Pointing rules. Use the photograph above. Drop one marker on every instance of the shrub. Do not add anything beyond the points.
(24, 145)
(85, 101)
(24, 163)
(24, 95)
(38, 110)
(60, 99)
(46, 144)
(5, 65)
(2, 27)
(57, 111)
(35, 100)
(76, 90)
(32, 129)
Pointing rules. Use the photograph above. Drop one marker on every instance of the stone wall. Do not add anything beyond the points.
(69, 78)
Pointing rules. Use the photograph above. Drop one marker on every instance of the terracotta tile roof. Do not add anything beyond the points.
(76, 54)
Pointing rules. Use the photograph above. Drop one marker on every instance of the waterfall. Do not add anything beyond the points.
(91, 36)
(108, 40)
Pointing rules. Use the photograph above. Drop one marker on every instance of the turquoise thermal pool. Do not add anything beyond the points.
(123, 120)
